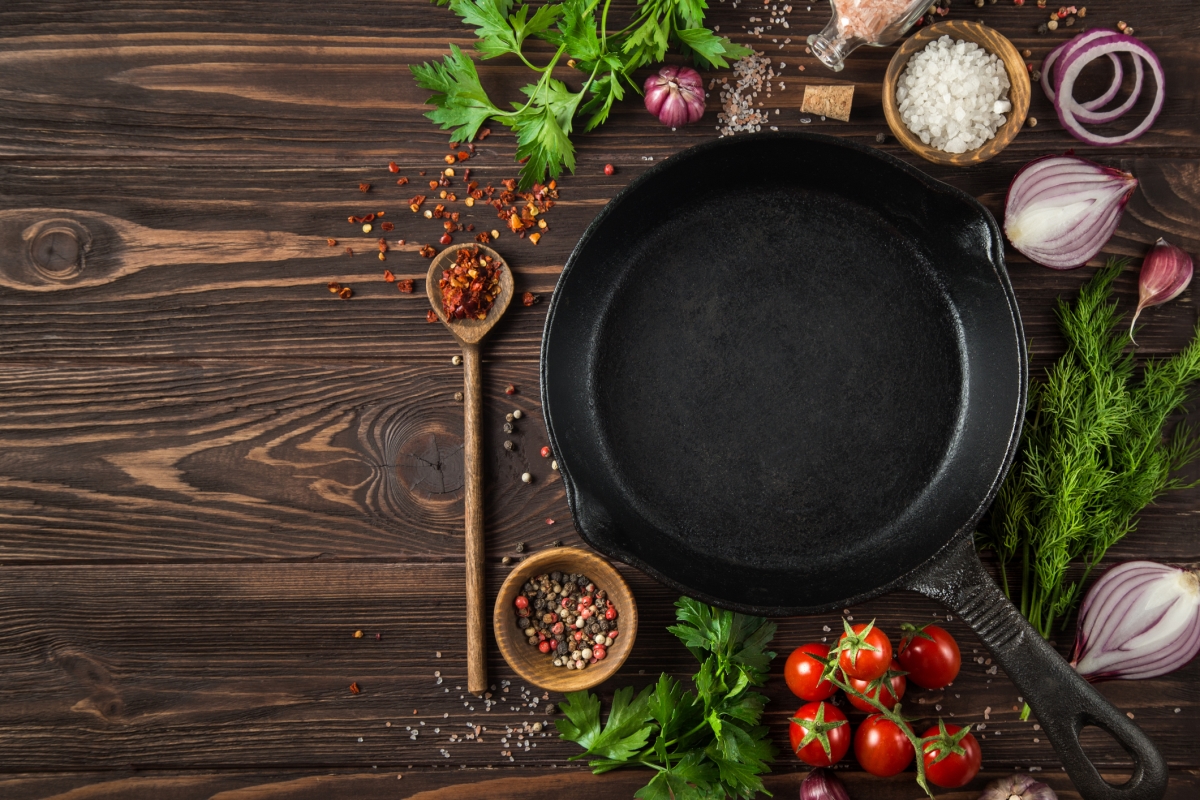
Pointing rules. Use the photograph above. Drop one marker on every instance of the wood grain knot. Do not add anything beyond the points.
(57, 248)
(430, 465)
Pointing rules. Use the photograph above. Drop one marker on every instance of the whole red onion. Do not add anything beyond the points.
(675, 95)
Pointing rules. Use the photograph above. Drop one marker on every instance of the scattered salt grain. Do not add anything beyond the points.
(953, 95)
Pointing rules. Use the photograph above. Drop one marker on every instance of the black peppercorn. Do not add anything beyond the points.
(556, 576)
(563, 648)
(556, 543)
(522, 622)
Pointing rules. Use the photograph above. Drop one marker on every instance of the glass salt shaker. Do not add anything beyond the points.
(858, 22)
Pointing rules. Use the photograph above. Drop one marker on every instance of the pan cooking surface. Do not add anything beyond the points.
(777, 389)
(782, 390)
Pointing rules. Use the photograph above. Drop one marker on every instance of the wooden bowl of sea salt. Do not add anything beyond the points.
(944, 122)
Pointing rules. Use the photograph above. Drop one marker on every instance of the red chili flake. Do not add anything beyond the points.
(449, 159)
(405, 286)
(469, 288)
(471, 147)
(354, 688)
(346, 293)
(451, 197)
(388, 276)
(402, 181)
(463, 155)
(349, 251)
(510, 184)
(380, 213)
(483, 237)
(549, 521)
(331, 242)
(364, 187)
(471, 227)
(387, 226)
(529, 298)
(483, 134)
(510, 389)
(430, 316)
(433, 184)
(439, 211)
(351, 219)
(334, 287)
(545, 452)
(428, 251)
(393, 167)
(416, 203)
(456, 215)
(446, 238)
(382, 245)
(535, 237)
(454, 145)
(422, 172)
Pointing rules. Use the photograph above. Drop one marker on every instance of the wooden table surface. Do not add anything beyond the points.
(213, 471)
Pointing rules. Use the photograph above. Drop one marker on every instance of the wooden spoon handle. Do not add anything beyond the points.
(473, 469)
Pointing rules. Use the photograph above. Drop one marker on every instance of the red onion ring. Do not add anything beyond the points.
(1052, 56)
(1073, 63)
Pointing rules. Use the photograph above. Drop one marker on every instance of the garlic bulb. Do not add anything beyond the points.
(1017, 787)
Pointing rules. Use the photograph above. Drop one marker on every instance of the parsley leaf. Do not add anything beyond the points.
(461, 102)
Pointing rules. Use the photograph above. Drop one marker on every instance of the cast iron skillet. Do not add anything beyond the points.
(786, 373)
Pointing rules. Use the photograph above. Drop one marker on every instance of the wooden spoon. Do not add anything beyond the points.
(469, 332)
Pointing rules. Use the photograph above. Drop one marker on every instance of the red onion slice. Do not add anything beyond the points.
(1061, 210)
(1073, 63)
(1053, 55)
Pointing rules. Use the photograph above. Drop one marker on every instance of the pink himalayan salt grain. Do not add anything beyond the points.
(867, 19)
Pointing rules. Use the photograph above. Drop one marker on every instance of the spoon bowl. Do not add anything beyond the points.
(468, 331)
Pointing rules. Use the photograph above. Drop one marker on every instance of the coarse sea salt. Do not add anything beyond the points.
(953, 95)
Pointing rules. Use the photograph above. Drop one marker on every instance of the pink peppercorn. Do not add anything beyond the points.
(545, 452)
(521, 602)
(544, 646)
(609, 169)
(610, 613)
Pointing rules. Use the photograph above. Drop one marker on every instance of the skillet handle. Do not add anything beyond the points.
(1063, 701)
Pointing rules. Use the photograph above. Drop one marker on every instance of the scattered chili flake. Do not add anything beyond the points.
(469, 288)
(428, 251)
(352, 219)
(510, 389)
(541, 224)
(354, 688)
(449, 172)
(382, 257)
(331, 242)
(422, 172)
(393, 167)
(535, 237)
(463, 155)
(430, 316)
(433, 184)
(382, 245)
(451, 197)
(405, 286)
(335, 287)
(442, 194)
(450, 159)
(416, 203)
(549, 521)
(482, 237)
(454, 145)
(495, 233)
(364, 187)
(471, 226)
(483, 134)
(446, 238)
(380, 213)
(387, 226)
(345, 293)
(388, 276)
(401, 181)
(529, 298)
(349, 251)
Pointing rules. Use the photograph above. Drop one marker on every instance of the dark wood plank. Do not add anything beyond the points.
(223, 460)
(451, 784)
(218, 666)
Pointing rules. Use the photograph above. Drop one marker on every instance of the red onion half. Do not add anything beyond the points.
(1077, 54)
(1140, 620)
(1061, 210)
(675, 95)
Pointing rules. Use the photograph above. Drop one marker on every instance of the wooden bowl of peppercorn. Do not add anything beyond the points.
(988, 39)
(527, 659)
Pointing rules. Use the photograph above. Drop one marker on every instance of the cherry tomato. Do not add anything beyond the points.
(869, 659)
(881, 747)
(803, 672)
(820, 721)
(956, 769)
(930, 656)
(879, 689)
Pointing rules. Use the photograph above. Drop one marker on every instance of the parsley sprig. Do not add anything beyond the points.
(1094, 453)
(605, 60)
(704, 744)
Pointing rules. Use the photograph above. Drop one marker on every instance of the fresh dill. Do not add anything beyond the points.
(1094, 452)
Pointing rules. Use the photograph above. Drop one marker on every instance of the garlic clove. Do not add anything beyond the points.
(1166, 272)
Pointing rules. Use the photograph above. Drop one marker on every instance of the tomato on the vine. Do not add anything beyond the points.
(887, 689)
(881, 747)
(961, 759)
(864, 652)
(803, 672)
(820, 734)
(930, 656)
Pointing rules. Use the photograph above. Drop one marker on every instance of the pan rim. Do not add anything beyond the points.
(995, 258)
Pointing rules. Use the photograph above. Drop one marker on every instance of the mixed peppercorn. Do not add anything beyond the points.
(567, 616)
